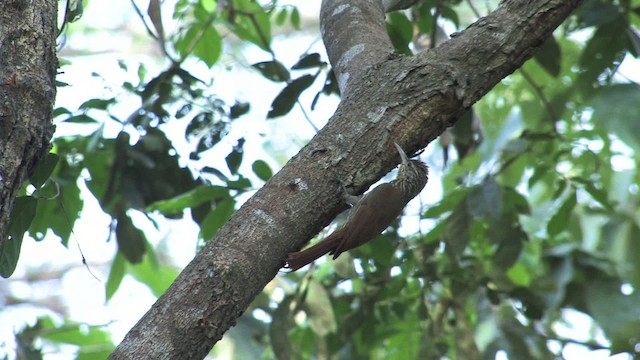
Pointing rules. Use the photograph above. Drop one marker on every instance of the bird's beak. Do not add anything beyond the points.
(403, 156)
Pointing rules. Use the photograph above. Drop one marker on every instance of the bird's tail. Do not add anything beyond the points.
(299, 259)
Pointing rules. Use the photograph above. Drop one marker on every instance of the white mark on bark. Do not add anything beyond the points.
(375, 116)
(342, 83)
(301, 184)
(265, 217)
(343, 63)
(350, 54)
(340, 9)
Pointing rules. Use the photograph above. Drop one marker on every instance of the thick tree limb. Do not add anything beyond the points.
(355, 36)
(386, 98)
(28, 66)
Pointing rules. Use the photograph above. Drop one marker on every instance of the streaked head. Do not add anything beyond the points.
(412, 175)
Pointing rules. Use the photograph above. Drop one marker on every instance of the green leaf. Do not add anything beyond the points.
(519, 275)
(319, 310)
(80, 119)
(448, 203)
(283, 103)
(131, 241)
(597, 194)
(425, 18)
(59, 202)
(380, 249)
(448, 13)
(149, 272)
(550, 57)
(252, 24)
(279, 327)
(216, 218)
(238, 109)
(596, 13)
(510, 238)
(262, 169)
(532, 304)
(457, 230)
(515, 202)
(142, 72)
(613, 310)
(26, 339)
(330, 87)
(295, 18)
(73, 11)
(209, 48)
(634, 41)
(200, 123)
(246, 344)
(183, 111)
(400, 32)
(190, 199)
(631, 250)
(540, 172)
(24, 210)
(623, 339)
(93, 341)
(43, 170)
(211, 137)
(309, 61)
(612, 107)
(100, 104)
(208, 5)
(273, 70)
(435, 233)
(215, 172)
(560, 220)
(207, 45)
(121, 180)
(234, 159)
(241, 184)
(59, 111)
(602, 55)
(485, 201)
(116, 274)
(465, 135)
(281, 17)
(122, 65)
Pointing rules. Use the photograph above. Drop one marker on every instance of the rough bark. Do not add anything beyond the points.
(28, 66)
(386, 98)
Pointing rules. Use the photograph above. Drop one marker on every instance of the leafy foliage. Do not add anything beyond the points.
(92, 342)
(537, 222)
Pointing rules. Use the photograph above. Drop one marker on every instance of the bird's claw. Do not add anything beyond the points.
(348, 198)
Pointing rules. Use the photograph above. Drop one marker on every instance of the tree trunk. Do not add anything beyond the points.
(28, 66)
(386, 99)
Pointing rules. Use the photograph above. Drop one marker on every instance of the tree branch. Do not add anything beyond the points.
(355, 36)
(406, 100)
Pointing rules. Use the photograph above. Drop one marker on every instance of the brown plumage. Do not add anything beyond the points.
(371, 215)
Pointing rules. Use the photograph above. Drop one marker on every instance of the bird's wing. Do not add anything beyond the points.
(370, 217)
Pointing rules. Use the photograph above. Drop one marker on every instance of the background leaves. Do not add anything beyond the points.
(537, 218)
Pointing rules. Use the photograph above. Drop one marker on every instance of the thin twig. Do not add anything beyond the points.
(543, 98)
(151, 33)
(434, 28)
(473, 9)
(75, 239)
(306, 116)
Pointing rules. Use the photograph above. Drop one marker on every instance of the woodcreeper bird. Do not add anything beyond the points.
(370, 215)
